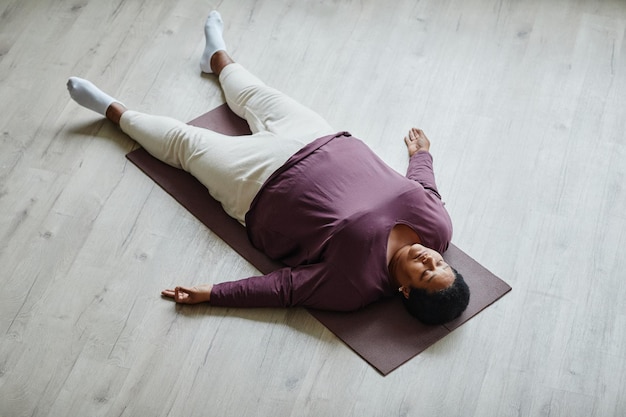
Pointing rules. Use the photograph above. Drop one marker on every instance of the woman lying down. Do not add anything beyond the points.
(350, 229)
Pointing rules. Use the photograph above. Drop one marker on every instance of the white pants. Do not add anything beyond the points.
(233, 168)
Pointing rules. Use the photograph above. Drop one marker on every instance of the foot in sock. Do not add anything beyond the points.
(213, 29)
(88, 95)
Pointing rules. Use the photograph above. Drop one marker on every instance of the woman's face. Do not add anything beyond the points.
(425, 268)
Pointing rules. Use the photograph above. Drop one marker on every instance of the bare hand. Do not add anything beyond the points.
(190, 295)
(416, 141)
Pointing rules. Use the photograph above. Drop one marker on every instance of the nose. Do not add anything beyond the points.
(428, 261)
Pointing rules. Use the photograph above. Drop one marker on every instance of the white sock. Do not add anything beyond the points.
(213, 29)
(88, 95)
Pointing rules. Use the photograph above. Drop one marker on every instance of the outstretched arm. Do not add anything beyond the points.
(285, 287)
(271, 290)
(420, 160)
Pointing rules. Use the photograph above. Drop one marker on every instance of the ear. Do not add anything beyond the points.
(405, 291)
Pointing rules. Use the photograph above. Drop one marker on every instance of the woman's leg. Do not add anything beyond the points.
(233, 168)
(266, 109)
(214, 41)
(88, 95)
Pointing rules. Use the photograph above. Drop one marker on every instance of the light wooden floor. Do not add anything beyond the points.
(524, 103)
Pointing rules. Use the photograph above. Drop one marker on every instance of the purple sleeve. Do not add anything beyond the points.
(421, 170)
(285, 287)
(271, 290)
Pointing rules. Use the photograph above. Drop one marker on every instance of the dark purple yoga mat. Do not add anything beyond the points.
(383, 334)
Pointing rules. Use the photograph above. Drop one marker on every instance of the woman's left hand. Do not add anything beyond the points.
(190, 295)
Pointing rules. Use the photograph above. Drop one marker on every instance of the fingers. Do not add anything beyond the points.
(168, 293)
(416, 133)
(413, 135)
(182, 295)
(179, 294)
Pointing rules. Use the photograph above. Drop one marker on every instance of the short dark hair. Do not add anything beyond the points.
(439, 307)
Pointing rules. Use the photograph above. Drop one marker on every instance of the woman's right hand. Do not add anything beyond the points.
(416, 141)
(189, 295)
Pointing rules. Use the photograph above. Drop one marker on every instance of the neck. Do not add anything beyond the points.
(400, 237)
(393, 269)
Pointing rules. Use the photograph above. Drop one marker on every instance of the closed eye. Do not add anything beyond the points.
(433, 274)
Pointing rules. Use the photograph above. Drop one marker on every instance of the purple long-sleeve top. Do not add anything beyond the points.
(327, 214)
